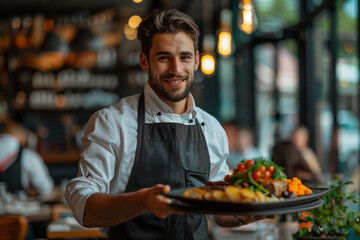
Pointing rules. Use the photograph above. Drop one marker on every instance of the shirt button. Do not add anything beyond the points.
(190, 121)
(159, 113)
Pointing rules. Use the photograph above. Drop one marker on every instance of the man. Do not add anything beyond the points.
(22, 169)
(137, 149)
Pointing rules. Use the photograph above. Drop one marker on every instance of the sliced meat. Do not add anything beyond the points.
(277, 187)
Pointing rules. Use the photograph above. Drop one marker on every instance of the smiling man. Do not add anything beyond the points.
(150, 143)
(173, 61)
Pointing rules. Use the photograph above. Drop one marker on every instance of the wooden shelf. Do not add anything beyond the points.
(66, 157)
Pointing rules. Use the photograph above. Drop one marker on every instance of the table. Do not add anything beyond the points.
(266, 229)
(32, 210)
(69, 228)
(37, 214)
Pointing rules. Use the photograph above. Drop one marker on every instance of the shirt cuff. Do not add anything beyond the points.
(76, 198)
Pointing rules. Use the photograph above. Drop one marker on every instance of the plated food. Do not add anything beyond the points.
(252, 181)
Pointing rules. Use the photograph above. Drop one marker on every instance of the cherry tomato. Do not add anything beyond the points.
(241, 168)
(227, 177)
(267, 174)
(235, 171)
(249, 163)
(271, 169)
(262, 169)
(256, 174)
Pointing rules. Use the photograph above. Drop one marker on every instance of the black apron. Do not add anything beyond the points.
(166, 153)
(12, 175)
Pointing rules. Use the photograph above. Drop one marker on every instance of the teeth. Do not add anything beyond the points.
(177, 81)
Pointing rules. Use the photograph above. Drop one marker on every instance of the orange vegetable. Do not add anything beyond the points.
(305, 224)
(295, 186)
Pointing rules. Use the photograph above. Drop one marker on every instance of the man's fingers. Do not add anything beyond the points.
(166, 189)
(160, 188)
(164, 199)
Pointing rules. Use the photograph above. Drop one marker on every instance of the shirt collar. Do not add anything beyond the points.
(154, 104)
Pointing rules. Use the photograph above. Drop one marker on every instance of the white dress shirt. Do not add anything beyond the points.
(34, 172)
(110, 143)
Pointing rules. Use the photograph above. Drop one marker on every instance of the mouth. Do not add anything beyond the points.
(174, 81)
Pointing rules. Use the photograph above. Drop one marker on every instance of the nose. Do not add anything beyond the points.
(175, 66)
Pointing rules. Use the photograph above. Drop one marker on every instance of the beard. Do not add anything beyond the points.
(171, 95)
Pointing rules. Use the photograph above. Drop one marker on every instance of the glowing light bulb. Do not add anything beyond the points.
(224, 44)
(130, 33)
(224, 34)
(134, 21)
(208, 64)
(247, 20)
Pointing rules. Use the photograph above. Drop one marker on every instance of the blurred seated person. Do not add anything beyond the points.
(244, 147)
(300, 138)
(21, 168)
(288, 156)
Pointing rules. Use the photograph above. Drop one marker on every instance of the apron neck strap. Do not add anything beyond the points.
(141, 110)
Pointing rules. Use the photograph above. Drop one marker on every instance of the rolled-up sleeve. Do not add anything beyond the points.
(96, 165)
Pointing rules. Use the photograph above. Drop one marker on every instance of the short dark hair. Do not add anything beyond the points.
(166, 21)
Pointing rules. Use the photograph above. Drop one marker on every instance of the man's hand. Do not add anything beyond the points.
(104, 210)
(237, 220)
(157, 203)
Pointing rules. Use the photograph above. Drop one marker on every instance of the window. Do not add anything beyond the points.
(265, 104)
(347, 67)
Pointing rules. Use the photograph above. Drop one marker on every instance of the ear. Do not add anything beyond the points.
(197, 60)
(144, 63)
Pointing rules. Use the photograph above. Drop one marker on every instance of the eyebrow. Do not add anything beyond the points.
(168, 53)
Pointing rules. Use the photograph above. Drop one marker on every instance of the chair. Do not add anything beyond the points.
(59, 214)
(13, 227)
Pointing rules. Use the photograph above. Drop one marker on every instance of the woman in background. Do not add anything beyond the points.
(287, 155)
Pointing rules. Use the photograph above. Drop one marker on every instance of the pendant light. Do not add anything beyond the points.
(247, 20)
(224, 46)
(207, 61)
(208, 56)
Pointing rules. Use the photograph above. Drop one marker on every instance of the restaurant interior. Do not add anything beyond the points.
(266, 65)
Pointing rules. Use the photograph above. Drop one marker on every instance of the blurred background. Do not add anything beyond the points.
(268, 65)
(274, 64)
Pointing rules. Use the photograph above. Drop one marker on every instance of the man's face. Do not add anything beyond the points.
(171, 65)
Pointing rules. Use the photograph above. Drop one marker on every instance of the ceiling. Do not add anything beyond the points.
(10, 8)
